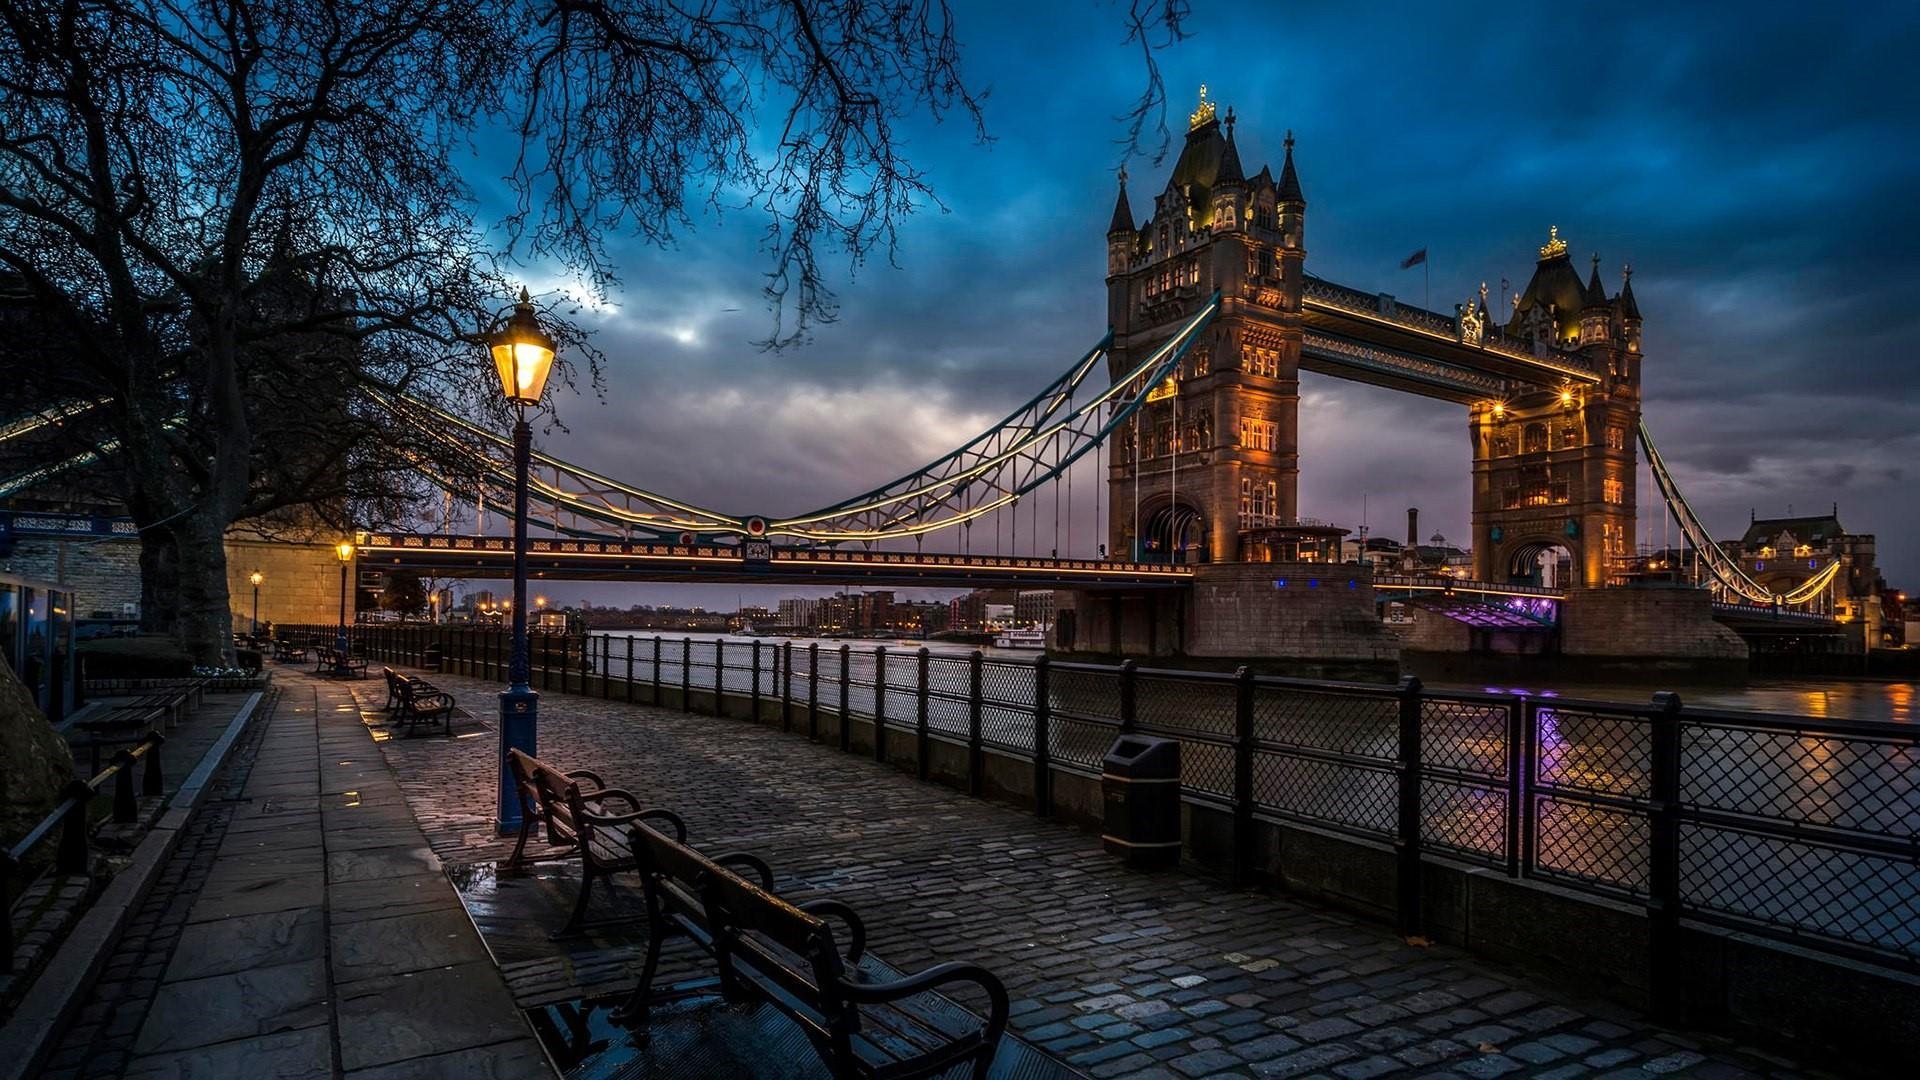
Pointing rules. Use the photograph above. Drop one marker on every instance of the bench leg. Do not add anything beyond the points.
(579, 917)
(635, 1011)
(520, 845)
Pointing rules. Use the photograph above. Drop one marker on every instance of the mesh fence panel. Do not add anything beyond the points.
(1590, 844)
(1803, 887)
(1085, 695)
(1361, 726)
(1352, 795)
(1860, 783)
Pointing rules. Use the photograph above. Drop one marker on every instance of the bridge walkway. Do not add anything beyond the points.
(1113, 971)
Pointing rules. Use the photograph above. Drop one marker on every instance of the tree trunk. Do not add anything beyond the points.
(205, 623)
(159, 581)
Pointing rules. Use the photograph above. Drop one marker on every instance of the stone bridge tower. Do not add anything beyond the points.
(1215, 449)
(1555, 469)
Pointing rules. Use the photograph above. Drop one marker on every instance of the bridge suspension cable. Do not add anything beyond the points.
(1723, 568)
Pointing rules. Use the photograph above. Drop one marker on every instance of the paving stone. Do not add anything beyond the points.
(1305, 1061)
(1265, 1048)
(501, 1061)
(404, 943)
(1486, 1065)
(219, 1008)
(248, 941)
(393, 1018)
(306, 1054)
(1163, 1037)
(1204, 1063)
(1322, 1030)
(1367, 1068)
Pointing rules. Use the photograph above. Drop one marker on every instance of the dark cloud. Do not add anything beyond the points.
(1756, 168)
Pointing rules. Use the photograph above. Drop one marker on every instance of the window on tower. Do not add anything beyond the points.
(1258, 434)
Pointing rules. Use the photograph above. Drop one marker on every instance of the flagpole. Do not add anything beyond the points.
(1426, 276)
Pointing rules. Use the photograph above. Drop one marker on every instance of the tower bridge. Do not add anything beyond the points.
(1185, 418)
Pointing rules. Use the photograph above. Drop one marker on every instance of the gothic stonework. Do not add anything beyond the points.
(1212, 228)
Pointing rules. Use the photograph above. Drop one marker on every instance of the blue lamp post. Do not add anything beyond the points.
(523, 356)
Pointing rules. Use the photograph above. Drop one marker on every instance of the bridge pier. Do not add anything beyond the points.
(1308, 619)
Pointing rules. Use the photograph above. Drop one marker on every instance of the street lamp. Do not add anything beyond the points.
(257, 578)
(344, 549)
(523, 357)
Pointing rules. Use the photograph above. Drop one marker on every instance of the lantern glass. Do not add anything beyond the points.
(522, 354)
(257, 577)
(344, 549)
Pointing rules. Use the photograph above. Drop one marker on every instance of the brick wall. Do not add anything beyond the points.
(302, 580)
(104, 573)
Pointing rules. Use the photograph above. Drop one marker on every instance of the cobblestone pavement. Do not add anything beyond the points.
(305, 930)
(1116, 972)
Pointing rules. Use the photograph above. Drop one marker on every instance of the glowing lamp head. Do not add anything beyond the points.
(344, 549)
(540, 601)
(1566, 397)
(257, 577)
(1499, 410)
(522, 354)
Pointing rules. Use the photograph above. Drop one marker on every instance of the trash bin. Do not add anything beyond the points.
(1141, 781)
(430, 658)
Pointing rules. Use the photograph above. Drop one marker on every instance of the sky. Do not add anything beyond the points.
(1758, 172)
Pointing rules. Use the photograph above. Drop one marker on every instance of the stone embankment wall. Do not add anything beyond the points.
(1654, 624)
(1293, 610)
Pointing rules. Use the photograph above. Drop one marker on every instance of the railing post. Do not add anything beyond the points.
(546, 663)
(657, 703)
(125, 807)
(1519, 784)
(923, 740)
(1407, 834)
(846, 714)
(1663, 876)
(719, 675)
(813, 690)
(629, 670)
(976, 758)
(755, 695)
(880, 703)
(1042, 739)
(686, 674)
(71, 856)
(606, 667)
(1129, 703)
(1243, 857)
(152, 780)
(786, 686)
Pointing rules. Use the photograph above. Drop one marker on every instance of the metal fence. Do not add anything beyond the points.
(1790, 827)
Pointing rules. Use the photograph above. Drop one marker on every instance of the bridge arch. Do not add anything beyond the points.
(1542, 560)
(1174, 532)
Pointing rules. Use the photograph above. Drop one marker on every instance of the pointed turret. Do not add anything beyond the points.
(1596, 292)
(1628, 309)
(1290, 180)
(1122, 213)
(1230, 169)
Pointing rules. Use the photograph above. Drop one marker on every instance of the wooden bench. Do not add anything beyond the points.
(331, 661)
(783, 953)
(577, 823)
(286, 649)
(412, 702)
(123, 724)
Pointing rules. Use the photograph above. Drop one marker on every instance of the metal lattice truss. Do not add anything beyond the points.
(1724, 568)
(1032, 446)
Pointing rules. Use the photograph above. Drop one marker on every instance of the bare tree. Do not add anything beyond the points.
(230, 218)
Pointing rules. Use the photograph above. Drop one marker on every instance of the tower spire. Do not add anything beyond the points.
(1290, 180)
(1122, 213)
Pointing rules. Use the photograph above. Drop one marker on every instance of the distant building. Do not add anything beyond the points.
(1034, 608)
(800, 613)
(1784, 553)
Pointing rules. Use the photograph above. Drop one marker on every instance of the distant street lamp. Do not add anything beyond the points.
(523, 357)
(344, 549)
(257, 578)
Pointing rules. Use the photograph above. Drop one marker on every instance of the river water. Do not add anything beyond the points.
(1837, 699)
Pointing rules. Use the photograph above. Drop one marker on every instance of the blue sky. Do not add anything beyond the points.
(1757, 165)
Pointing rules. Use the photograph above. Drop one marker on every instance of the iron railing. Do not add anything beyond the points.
(68, 823)
(1794, 828)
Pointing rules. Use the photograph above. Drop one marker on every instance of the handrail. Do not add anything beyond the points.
(70, 813)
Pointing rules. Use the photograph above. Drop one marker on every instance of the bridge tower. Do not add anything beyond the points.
(1214, 451)
(1556, 468)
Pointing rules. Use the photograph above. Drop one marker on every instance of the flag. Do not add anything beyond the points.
(1414, 259)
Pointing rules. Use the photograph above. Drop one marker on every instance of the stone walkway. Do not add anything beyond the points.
(1114, 971)
(320, 939)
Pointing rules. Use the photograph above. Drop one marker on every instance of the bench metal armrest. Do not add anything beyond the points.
(937, 975)
(751, 862)
(611, 793)
(611, 821)
(856, 930)
(588, 774)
